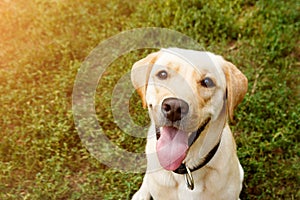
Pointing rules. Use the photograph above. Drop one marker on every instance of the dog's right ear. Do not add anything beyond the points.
(140, 75)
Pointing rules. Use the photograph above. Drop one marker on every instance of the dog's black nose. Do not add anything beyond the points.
(174, 109)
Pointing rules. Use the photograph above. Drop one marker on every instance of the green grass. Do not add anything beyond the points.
(42, 46)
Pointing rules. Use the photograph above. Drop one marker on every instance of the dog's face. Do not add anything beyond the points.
(192, 91)
(184, 89)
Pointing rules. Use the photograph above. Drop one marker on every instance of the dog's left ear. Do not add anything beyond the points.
(140, 75)
(237, 85)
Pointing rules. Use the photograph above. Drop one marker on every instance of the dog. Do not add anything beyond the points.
(191, 152)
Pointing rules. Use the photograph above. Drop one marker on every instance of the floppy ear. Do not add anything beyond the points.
(237, 85)
(140, 75)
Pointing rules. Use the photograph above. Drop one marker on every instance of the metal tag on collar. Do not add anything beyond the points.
(189, 179)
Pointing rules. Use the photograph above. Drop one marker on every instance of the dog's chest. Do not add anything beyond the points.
(166, 185)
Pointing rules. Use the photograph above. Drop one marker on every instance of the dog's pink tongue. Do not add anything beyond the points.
(171, 147)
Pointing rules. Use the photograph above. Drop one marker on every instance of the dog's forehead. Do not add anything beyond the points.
(198, 60)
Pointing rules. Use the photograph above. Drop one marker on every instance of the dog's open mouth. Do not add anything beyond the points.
(171, 147)
(173, 144)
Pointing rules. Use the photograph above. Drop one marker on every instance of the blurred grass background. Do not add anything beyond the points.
(43, 43)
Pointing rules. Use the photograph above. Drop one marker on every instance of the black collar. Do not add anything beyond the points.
(182, 168)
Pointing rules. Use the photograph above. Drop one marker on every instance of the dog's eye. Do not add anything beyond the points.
(207, 82)
(162, 75)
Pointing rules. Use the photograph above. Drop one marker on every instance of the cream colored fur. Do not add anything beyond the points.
(222, 177)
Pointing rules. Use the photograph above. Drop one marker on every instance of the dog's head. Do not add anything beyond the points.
(183, 89)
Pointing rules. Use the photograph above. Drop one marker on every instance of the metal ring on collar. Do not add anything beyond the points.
(189, 179)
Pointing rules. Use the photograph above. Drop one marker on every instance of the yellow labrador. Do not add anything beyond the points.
(191, 152)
